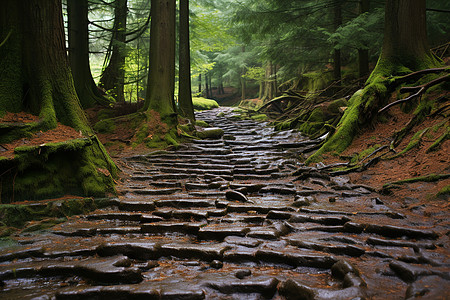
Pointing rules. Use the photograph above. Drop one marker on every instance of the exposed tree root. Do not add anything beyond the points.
(444, 137)
(428, 178)
(417, 90)
(415, 142)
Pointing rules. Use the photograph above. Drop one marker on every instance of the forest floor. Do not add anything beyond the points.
(415, 163)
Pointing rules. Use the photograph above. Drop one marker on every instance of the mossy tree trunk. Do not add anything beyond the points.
(36, 78)
(185, 93)
(161, 76)
(270, 82)
(113, 76)
(78, 37)
(405, 49)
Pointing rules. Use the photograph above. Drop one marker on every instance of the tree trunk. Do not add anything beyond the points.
(87, 90)
(337, 52)
(207, 91)
(270, 83)
(113, 76)
(405, 49)
(363, 54)
(243, 88)
(199, 83)
(36, 78)
(210, 86)
(405, 35)
(185, 93)
(161, 76)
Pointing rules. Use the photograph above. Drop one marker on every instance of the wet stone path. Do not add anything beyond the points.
(233, 218)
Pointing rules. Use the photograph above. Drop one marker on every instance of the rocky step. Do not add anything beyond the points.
(114, 269)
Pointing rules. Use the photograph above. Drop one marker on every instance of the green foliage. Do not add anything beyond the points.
(203, 103)
(255, 73)
(362, 32)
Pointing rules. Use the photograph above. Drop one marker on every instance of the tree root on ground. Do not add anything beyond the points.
(417, 90)
(386, 189)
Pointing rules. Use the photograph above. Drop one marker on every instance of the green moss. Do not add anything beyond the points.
(284, 125)
(171, 138)
(259, 117)
(77, 167)
(203, 103)
(106, 113)
(105, 126)
(438, 142)
(362, 105)
(315, 81)
(426, 178)
(201, 123)
(334, 106)
(415, 142)
(444, 192)
(210, 133)
(358, 157)
(40, 216)
(251, 104)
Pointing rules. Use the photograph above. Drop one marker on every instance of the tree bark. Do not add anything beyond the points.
(185, 93)
(405, 34)
(36, 78)
(87, 90)
(363, 54)
(337, 52)
(161, 76)
(270, 82)
(113, 76)
(207, 88)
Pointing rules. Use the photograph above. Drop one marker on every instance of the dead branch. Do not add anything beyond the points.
(419, 90)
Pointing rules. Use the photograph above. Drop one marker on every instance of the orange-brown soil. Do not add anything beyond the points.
(414, 163)
(60, 134)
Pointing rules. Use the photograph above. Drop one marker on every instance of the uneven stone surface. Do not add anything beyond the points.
(235, 217)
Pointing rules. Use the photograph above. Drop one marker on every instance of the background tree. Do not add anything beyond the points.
(113, 75)
(185, 93)
(78, 38)
(161, 76)
(35, 77)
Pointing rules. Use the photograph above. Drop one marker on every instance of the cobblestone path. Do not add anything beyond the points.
(235, 218)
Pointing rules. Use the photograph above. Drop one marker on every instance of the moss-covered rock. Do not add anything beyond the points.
(201, 123)
(259, 117)
(105, 126)
(77, 167)
(210, 133)
(201, 103)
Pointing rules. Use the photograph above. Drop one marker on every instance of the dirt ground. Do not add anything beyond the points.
(59, 134)
(414, 163)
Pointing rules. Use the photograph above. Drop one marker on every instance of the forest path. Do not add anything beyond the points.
(235, 218)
